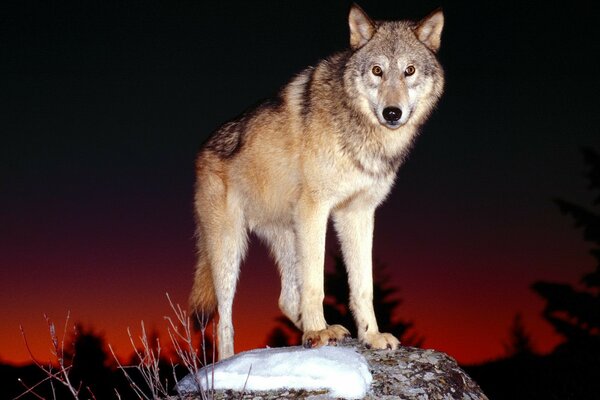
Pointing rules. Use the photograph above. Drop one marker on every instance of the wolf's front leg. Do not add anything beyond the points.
(311, 227)
(355, 231)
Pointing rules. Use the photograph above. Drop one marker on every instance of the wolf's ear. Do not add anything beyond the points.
(361, 27)
(429, 30)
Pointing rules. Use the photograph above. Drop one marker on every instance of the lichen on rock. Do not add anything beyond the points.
(411, 373)
(407, 373)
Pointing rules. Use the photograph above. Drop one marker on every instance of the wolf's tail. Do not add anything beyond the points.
(203, 301)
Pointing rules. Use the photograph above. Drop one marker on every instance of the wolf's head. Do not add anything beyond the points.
(393, 74)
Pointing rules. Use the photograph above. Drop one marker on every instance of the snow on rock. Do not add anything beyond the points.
(340, 370)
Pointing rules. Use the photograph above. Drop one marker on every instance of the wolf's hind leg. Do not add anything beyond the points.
(226, 254)
(281, 242)
(222, 229)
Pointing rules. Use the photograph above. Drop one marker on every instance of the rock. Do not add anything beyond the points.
(407, 373)
(410, 373)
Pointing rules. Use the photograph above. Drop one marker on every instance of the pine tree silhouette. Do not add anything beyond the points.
(572, 369)
(519, 342)
(335, 307)
(575, 312)
(90, 369)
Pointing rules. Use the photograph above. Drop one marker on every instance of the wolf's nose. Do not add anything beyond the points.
(392, 114)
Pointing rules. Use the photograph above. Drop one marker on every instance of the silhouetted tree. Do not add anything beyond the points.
(571, 371)
(385, 303)
(575, 312)
(90, 369)
(284, 334)
(519, 342)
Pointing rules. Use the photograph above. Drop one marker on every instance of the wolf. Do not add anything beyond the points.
(328, 146)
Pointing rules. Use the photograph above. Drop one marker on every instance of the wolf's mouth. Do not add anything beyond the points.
(393, 124)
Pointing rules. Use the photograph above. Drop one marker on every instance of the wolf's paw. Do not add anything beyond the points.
(380, 341)
(329, 336)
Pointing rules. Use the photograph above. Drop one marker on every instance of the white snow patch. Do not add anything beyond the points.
(341, 371)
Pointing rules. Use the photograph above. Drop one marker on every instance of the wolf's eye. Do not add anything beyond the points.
(409, 70)
(377, 71)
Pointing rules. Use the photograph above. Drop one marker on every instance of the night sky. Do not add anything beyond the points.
(104, 105)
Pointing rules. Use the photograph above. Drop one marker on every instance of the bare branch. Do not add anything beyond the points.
(58, 351)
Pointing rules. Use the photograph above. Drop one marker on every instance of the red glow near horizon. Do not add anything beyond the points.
(461, 291)
(468, 336)
(467, 315)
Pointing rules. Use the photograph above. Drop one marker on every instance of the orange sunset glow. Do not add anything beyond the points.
(440, 303)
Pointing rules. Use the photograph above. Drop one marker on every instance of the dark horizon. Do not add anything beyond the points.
(106, 105)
